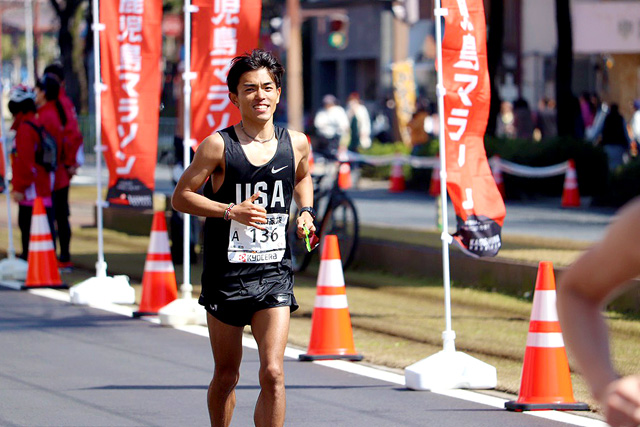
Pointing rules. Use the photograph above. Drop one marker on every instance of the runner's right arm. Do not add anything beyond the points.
(582, 292)
(209, 161)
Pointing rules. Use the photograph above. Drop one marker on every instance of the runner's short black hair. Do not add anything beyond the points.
(255, 60)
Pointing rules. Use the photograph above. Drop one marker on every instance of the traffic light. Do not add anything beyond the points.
(277, 31)
(338, 31)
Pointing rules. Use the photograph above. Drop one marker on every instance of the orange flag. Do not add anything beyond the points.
(221, 31)
(130, 47)
(479, 208)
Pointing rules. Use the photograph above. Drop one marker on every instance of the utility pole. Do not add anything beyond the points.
(294, 88)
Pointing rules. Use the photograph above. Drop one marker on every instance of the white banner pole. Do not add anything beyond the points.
(13, 271)
(448, 335)
(185, 310)
(101, 265)
(101, 288)
(186, 288)
(11, 251)
(448, 368)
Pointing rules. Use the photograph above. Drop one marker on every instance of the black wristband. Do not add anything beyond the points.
(309, 209)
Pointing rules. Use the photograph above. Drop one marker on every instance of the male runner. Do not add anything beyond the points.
(255, 168)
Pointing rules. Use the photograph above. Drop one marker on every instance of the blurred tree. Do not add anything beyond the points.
(494, 58)
(66, 11)
(564, 68)
(9, 49)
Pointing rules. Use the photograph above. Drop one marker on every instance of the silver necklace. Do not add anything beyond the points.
(262, 141)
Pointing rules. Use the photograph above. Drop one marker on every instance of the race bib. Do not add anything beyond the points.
(253, 246)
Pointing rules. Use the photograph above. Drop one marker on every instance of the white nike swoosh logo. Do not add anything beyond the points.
(274, 170)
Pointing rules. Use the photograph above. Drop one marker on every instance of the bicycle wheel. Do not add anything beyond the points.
(300, 258)
(341, 219)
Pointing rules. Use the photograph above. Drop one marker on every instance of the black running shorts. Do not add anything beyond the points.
(238, 300)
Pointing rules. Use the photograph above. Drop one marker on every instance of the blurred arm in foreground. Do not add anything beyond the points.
(583, 290)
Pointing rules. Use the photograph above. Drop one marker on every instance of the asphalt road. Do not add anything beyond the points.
(541, 218)
(65, 365)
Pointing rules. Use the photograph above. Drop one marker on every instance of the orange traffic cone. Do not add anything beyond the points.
(42, 264)
(344, 176)
(434, 186)
(545, 381)
(496, 171)
(331, 333)
(396, 181)
(159, 286)
(570, 193)
(344, 171)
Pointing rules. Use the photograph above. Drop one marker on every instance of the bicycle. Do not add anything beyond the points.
(336, 214)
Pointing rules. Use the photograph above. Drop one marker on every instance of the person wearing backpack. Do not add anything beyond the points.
(71, 158)
(30, 179)
(53, 118)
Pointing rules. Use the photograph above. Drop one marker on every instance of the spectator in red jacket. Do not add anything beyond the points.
(74, 148)
(30, 180)
(54, 119)
(71, 159)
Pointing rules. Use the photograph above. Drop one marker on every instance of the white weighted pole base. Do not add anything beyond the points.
(101, 290)
(450, 369)
(181, 312)
(13, 272)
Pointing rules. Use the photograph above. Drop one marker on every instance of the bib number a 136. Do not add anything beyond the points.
(253, 246)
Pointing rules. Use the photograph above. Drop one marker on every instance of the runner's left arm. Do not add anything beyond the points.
(303, 190)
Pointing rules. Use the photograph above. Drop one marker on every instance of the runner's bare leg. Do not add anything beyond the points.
(270, 328)
(226, 345)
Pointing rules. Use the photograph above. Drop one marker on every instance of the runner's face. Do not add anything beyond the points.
(257, 96)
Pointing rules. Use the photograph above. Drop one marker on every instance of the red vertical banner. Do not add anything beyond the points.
(221, 30)
(480, 210)
(130, 47)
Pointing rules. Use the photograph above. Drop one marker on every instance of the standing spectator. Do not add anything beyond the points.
(360, 121)
(71, 158)
(522, 119)
(331, 123)
(593, 132)
(615, 139)
(506, 127)
(578, 122)
(432, 122)
(54, 119)
(587, 109)
(546, 119)
(416, 126)
(30, 180)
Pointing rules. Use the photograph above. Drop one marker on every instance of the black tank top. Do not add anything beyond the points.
(275, 180)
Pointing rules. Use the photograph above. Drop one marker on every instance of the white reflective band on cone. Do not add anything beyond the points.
(544, 306)
(159, 266)
(159, 241)
(331, 301)
(40, 226)
(546, 339)
(42, 246)
(330, 273)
